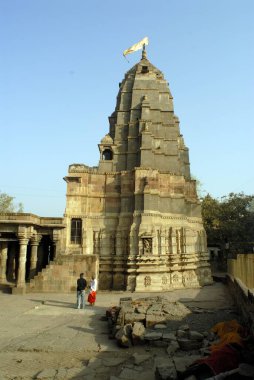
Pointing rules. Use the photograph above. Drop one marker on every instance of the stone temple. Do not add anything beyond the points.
(135, 220)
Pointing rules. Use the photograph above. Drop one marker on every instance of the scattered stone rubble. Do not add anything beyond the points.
(147, 322)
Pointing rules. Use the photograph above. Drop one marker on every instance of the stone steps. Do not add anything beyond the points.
(52, 278)
(61, 275)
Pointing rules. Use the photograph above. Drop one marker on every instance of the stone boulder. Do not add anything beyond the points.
(123, 336)
(138, 332)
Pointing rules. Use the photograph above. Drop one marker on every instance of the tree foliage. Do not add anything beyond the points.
(7, 204)
(229, 221)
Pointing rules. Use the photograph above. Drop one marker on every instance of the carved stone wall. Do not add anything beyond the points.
(139, 208)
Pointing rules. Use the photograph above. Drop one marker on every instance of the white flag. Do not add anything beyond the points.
(137, 46)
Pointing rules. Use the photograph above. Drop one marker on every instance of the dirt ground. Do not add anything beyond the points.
(43, 336)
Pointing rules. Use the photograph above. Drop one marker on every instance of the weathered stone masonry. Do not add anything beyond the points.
(134, 221)
(138, 210)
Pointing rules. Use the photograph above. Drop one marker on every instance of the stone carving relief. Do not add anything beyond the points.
(147, 281)
(147, 246)
(164, 280)
(96, 242)
(176, 278)
(188, 277)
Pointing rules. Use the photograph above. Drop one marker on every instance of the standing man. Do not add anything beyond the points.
(81, 286)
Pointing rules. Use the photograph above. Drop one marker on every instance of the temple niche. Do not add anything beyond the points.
(138, 211)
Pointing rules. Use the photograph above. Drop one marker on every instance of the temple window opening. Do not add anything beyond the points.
(76, 231)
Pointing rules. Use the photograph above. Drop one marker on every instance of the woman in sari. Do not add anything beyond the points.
(92, 293)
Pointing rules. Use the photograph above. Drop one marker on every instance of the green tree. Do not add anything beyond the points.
(199, 186)
(229, 221)
(7, 204)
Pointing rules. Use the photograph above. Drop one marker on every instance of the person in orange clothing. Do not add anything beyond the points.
(92, 293)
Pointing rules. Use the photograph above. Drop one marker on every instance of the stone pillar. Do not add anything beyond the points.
(3, 260)
(21, 280)
(163, 242)
(119, 244)
(174, 241)
(11, 263)
(34, 257)
(96, 242)
(56, 242)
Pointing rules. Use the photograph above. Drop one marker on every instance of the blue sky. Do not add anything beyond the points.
(61, 62)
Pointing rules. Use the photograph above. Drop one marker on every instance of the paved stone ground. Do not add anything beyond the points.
(43, 336)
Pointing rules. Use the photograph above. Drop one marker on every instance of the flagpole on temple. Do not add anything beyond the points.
(144, 51)
(139, 45)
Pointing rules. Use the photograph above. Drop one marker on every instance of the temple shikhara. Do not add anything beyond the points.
(134, 220)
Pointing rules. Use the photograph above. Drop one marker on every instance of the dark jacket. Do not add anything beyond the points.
(81, 284)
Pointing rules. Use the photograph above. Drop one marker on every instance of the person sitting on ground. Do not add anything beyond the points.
(92, 293)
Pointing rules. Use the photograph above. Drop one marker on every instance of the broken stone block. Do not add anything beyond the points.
(120, 318)
(185, 327)
(195, 335)
(153, 336)
(141, 309)
(140, 358)
(197, 311)
(134, 317)
(165, 373)
(175, 310)
(188, 345)
(128, 329)
(172, 348)
(125, 300)
(160, 326)
(112, 313)
(155, 308)
(153, 319)
(123, 340)
(182, 334)
(168, 337)
(138, 332)
(123, 336)
(182, 363)
(128, 373)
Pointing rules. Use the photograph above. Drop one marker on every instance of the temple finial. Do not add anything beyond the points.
(144, 51)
